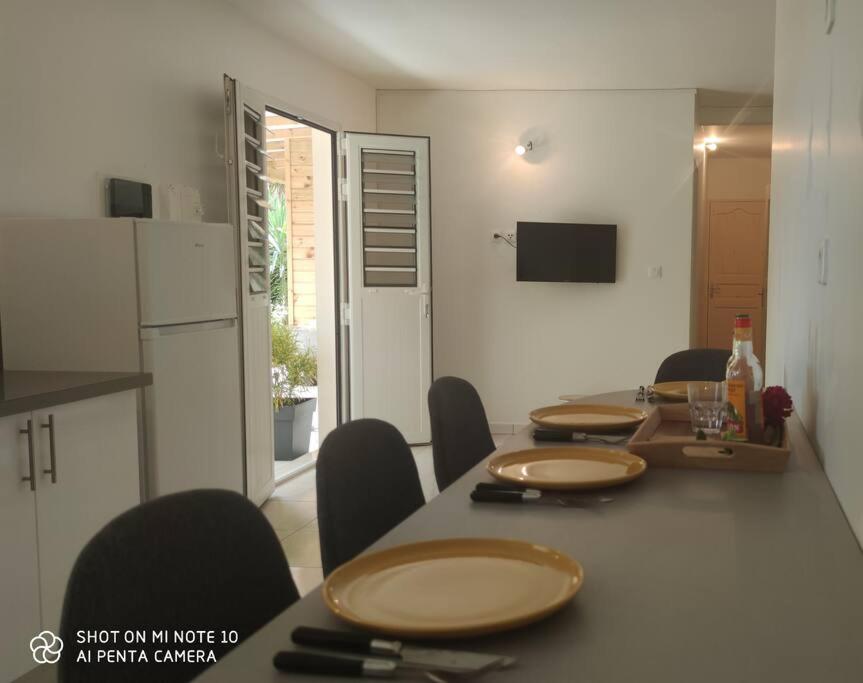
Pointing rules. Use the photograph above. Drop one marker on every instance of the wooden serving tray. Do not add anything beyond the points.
(665, 439)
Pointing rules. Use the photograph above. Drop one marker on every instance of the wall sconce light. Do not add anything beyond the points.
(711, 144)
(521, 150)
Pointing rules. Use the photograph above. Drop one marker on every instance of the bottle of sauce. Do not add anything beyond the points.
(744, 379)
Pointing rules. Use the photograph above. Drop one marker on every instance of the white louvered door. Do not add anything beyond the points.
(245, 115)
(389, 311)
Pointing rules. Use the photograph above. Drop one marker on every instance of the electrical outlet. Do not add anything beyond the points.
(509, 235)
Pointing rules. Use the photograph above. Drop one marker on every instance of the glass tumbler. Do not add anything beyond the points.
(707, 401)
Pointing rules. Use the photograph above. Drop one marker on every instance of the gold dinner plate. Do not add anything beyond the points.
(583, 417)
(570, 467)
(452, 588)
(672, 391)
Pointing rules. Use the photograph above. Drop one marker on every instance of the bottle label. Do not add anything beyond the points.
(735, 414)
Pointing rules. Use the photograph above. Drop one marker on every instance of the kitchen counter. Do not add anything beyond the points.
(23, 390)
(690, 575)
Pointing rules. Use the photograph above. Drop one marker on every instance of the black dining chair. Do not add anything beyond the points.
(460, 433)
(205, 559)
(694, 364)
(367, 483)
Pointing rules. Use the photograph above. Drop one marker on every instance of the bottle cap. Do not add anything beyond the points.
(742, 320)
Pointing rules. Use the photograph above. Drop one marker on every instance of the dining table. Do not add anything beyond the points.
(689, 576)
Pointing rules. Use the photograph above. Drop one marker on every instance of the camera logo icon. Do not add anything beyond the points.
(46, 648)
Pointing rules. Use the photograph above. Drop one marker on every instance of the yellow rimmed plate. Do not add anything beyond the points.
(584, 417)
(575, 467)
(671, 391)
(452, 588)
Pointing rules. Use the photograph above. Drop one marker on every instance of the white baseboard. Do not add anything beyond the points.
(506, 427)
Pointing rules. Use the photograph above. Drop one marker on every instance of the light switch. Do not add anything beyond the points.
(654, 272)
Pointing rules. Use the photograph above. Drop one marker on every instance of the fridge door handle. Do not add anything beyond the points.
(156, 331)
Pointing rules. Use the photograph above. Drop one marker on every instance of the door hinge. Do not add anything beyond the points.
(346, 314)
(343, 145)
(344, 189)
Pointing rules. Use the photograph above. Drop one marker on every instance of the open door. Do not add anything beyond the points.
(247, 202)
(282, 175)
(387, 310)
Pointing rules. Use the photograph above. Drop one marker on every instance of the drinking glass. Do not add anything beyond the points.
(707, 402)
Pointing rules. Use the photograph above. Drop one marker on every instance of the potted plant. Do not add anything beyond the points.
(294, 368)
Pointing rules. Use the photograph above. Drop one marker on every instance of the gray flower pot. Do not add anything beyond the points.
(293, 429)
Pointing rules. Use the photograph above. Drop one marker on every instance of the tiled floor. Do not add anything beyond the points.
(292, 510)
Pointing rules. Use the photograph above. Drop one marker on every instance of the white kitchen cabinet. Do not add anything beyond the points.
(92, 476)
(19, 576)
(96, 460)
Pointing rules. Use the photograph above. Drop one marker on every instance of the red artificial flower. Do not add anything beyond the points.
(777, 405)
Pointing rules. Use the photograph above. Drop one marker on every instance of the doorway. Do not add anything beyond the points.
(736, 270)
(301, 245)
(338, 283)
(731, 241)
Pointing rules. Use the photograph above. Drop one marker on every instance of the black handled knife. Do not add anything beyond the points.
(451, 661)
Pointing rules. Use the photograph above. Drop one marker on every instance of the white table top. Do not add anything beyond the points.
(690, 576)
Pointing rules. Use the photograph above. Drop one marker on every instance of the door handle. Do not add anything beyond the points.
(51, 448)
(31, 454)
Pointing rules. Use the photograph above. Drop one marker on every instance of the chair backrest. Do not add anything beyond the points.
(367, 483)
(460, 433)
(205, 559)
(694, 364)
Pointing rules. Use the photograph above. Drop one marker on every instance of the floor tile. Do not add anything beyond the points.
(292, 510)
(286, 516)
(307, 579)
(306, 495)
(297, 486)
(302, 548)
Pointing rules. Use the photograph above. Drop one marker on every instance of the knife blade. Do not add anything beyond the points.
(447, 661)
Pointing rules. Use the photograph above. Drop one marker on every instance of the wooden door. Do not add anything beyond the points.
(19, 564)
(737, 270)
(95, 478)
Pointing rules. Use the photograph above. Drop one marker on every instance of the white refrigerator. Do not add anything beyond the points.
(136, 295)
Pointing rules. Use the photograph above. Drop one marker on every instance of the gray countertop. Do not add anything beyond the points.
(22, 390)
(690, 575)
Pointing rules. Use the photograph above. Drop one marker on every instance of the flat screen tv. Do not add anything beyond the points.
(565, 252)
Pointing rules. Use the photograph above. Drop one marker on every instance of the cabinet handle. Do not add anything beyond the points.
(31, 454)
(50, 427)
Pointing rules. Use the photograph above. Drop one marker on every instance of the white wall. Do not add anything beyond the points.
(815, 331)
(611, 157)
(133, 88)
(738, 178)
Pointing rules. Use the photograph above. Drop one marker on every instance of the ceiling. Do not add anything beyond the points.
(722, 47)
